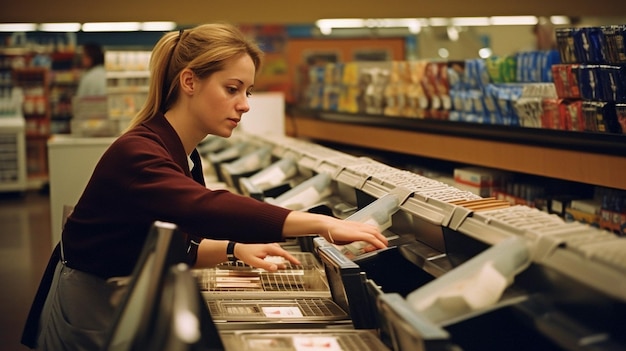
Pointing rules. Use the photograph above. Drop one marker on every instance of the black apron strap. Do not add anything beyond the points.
(31, 328)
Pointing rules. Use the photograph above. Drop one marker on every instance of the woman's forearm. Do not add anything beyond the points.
(211, 253)
(332, 229)
(300, 223)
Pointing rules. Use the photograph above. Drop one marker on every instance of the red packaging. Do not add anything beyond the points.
(566, 81)
(570, 112)
(550, 118)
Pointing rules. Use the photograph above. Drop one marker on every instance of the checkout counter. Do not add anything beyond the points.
(461, 272)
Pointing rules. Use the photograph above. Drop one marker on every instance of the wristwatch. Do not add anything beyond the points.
(230, 251)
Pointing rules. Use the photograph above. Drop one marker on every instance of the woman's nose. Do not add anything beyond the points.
(243, 105)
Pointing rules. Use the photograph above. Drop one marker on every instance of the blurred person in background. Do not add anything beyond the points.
(93, 79)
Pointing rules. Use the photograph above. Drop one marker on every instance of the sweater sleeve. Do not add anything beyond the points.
(143, 183)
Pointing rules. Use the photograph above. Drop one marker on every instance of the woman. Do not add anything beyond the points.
(93, 80)
(201, 81)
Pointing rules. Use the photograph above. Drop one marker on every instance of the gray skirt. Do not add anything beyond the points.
(78, 311)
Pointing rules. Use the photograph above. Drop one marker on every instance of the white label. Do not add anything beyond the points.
(281, 312)
(310, 343)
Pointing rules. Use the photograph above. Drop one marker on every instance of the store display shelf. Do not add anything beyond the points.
(127, 89)
(604, 143)
(590, 158)
(128, 74)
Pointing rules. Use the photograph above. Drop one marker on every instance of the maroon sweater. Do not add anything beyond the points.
(143, 177)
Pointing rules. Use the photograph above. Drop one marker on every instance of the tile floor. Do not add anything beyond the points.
(25, 246)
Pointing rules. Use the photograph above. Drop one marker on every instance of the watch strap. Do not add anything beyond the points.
(230, 251)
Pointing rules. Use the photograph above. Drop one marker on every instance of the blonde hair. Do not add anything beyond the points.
(205, 49)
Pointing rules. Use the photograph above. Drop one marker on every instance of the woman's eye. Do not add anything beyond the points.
(248, 93)
(232, 90)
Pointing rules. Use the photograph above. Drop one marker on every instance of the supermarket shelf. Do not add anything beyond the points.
(128, 74)
(574, 156)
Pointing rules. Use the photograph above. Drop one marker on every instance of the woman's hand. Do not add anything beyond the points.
(334, 230)
(255, 254)
(341, 232)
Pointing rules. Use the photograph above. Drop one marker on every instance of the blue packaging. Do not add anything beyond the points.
(477, 101)
(589, 83)
(456, 96)
(589, 43)
(468, 102)
(489, 99)
(456, 75)
(483, 73)
(537, 60)
(552, 58)
(613, 82)
(473, 74)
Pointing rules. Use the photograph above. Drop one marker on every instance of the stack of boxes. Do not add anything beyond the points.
(480, 181)
(591, 80)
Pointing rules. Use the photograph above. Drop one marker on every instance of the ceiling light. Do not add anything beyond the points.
(59, 27)
(341, 23)
(559, 20)
(485, 52)
(111, 27)
(158, 26)
(514, 20)
(470, 21)
(439, 22)
(18, 27)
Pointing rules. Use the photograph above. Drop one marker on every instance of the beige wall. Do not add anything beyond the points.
(289, 11)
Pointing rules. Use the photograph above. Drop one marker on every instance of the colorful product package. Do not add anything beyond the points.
(615, 36)
(600, 116)
(550, 118)
(570, 112)
(613, 82)
(529, 110)
(565, 78)
(589, 43)
(589, 83)
(565, 45)
(620, 114)
(456, 75)
(502, 69)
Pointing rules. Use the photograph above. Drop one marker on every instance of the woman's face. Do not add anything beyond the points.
(86, 61)
(221, 99)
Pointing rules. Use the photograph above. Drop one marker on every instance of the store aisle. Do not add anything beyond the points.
(25, 247)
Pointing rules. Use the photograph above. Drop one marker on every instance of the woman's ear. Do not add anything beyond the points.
(187, 81)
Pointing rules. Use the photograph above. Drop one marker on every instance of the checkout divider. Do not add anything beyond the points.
(461, 272)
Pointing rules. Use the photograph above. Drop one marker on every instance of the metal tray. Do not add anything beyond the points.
(238, 280)
(255, 312)
(296, 340)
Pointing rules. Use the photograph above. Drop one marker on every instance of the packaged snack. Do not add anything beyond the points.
(620, 114)
(566, 80)
(570, 112)
(589, 82)
(589, 43)
(565, 44)
(614, 50)
(613, 82)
